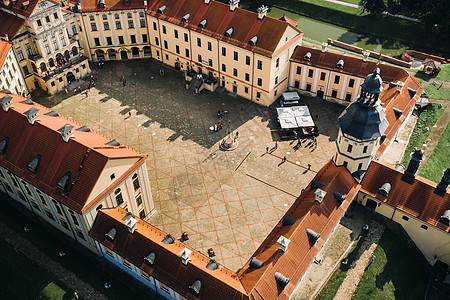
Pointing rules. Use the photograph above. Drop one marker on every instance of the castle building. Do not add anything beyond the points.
(45, 42)
(65, 172)
(10, 76)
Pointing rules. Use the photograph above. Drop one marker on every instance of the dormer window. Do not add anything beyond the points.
(4, 145)
(113, 143)
(202, 24)
(6, 102)
(340, 64)
(101, 3)
(185, 19)
(253, 40)
(63, 183)
(32, 115)
(111, 235)
(161, 9)
(229, 32)
(307, 56)
(66, 132)
(34, 164)
(150, 258)
(196, 287)
(126, 2)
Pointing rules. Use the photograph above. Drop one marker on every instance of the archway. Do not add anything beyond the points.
(59, 59)
(74, 51)
(147, 51)
(123, 54)
(177, 65)
(100, 54)
(43, 67)
(67, 54)
(70, 77)
(51, 63)
(135, 52)
(111, 53)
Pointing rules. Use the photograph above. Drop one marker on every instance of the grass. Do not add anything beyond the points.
(26, 280)
(437, 91)
(394, 274)
(79, 264)
(444, 74)
(438, 161)
(427, 118)
(335, 281)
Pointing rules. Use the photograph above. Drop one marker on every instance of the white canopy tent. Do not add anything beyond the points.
(294, 117)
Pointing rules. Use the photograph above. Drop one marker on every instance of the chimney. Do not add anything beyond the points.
(32, 115)
(413, 167)
(324, 47)
(400, 85)
(233, 4)
(283, 243)
(131, 224)
(262, 11)
(442, 187)
(185, 255)
(366, 55)
(6, 102)
(319, 195)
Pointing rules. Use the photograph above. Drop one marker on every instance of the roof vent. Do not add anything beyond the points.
(32, 115)
(113, 143)
(400, 85)
(185, 19)
(416, 158)
(253, 40)
(400, 167)
(319, 195)
(111, 235)
(202, 23)
(212, 265)
(83, 129)
(52, 114)
(5, 91)
(340, 64)
(287, 221)
(256, 263)
(282, 280)
(34, 164)
(66, 132)
(150, 258)
(229, 32)
(283, 243)
(446, 218)
(4, 145)
(392, 84)
(412, 92)
(126, 2)
(324, 47)
(131, 224)
(24, 6)
(316, 184)
(339, 197)
(442, 186)
(233, 4)
(366, 55)
(101, 3)
(168, 240)
(63, 183)
(207, 1)
(6, 102)
(185, 255)
(307, 56)
(27, 101)
(314, 236)
(384, 189)
(398, 112)
(262, 11)
(161, 9)
(196, 287)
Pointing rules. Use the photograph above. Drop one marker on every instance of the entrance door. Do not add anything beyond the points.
(235, 89)
(320, 94)
(124, 54)
(70, 77)
(371, 204)
(223, 83)
(177, 65)
(200, 70)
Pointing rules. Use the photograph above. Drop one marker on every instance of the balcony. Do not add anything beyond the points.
(47, 75)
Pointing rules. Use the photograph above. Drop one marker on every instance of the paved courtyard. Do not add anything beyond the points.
(228, 201)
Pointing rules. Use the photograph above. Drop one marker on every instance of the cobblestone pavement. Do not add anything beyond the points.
(225, 200)
(83, 289)
(358, 267)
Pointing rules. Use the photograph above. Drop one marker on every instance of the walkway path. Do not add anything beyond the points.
(358, 267)
(83, 289)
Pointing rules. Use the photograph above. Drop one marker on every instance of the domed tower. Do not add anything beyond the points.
(361, 126)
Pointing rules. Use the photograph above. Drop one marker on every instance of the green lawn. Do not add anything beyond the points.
(335, 281)
(437, 91)
(394, 274)
(444, 74)
(352, 1)
(427, 118)
(438, 161)
(23, 279)
(82, 266)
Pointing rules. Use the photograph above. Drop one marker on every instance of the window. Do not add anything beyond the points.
(299, 70)
(259, 65)
(224, 51)
(139, 200)
(235, 73)
(144, 38)
(121, 40)
(405, 218)
(277, 64)
(74, 29)
(224, 68)
(156, 41)
(58, 209)
(60, 79)
(74, 220)
(64, 224)
(199, 58)
(322, 76)
(351, 83)
(154, 26)
(93, 27)
(109, 40)
(210, 62)
(258, 95)
(365, 149)
(47, 19)
(186, 37)
(106, 25)
(177, 49)
(345, 164)
(209, 46)
(25, 70)
(246, 90)
(63, 41)
(235, 56)
(175, 32)
(55, 45)
(20, 54)
(104, 17)
(118, 25)
(187, 52)
(97, 42)
(49, 214)
(136, 183)
(166, 45)
(424, 227)
(247, 60)
(39, 23)
(109, 253)
(349, 148)
(199, 42)
(276, 80)
(334, 93)
(164, 29)
(133, 39)
(297, 84)
(129, 15)
(247, 77)
(127, 264)
(142, 214)
(259, 81)
(142, 23)
(118, 195)
(359, 166)
(336, 79)
(130, 24)
(348, 97)
(310, 73)
(308, 87)
(116, 16)
(91, 18)
(164, 287)
(35, 205)
(80, 234)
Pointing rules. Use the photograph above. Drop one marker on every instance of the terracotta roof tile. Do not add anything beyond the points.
(17, 7)
(92, 5)
(167, 267)
(4, 49)
(10, 24)
(417, 199)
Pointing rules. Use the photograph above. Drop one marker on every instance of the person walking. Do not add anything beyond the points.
(309, 167)
(276, 145)
(236, 136)
(242, 106)
(284, 158)
(267, 149)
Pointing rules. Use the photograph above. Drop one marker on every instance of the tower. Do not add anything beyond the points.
(361, 127)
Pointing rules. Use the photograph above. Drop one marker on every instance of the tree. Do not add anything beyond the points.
(374, 7)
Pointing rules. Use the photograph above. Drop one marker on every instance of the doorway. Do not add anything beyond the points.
(124, 54)
(371, 204)
(320, 94)
(70, 77)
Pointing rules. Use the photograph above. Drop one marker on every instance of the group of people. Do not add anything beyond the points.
(219, 125)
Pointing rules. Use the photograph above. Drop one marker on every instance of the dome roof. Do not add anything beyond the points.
(373, 82)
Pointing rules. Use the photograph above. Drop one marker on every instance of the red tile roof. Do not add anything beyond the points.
(322, 218)
(417, 199)
(18, 8)
(85, 155)
(219, 19)
(92, 5)
(167, 267)
(10, 24)
(4, 49)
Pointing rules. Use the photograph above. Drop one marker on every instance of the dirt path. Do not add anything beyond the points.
(83, 289)
(358, 267)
